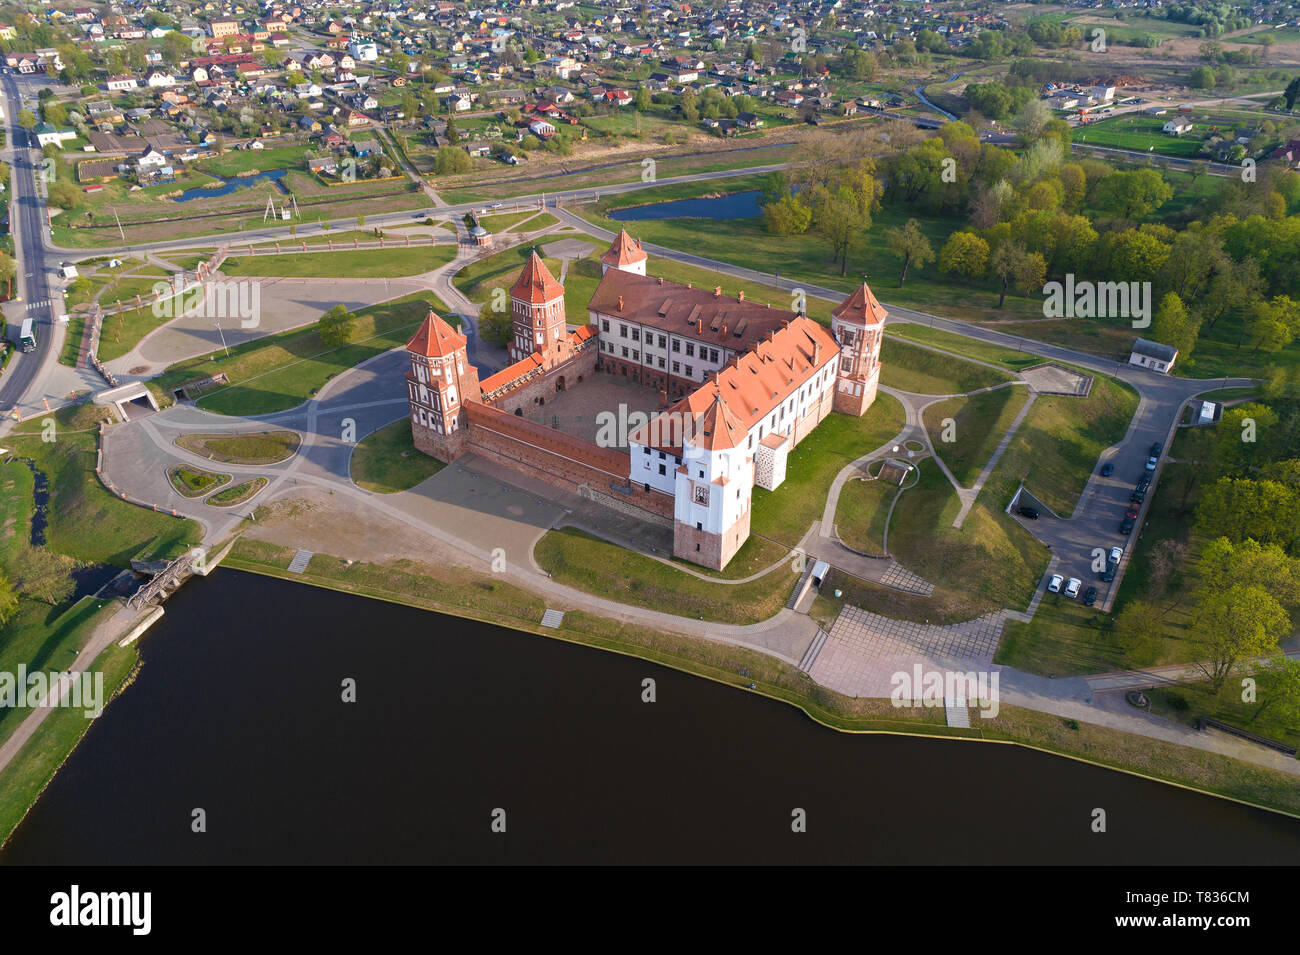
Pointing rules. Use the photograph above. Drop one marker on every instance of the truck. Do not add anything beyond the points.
(27, 336)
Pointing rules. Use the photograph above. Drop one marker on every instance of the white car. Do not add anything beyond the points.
(1115, 554)
(1072, 588)
(1151, 464)
(1054, 586)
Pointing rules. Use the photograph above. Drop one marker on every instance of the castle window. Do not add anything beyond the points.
(604, 324)
(661, 469)
(677, 344)
(690, 372)
(663, 341)
(677, 366)
(624, 351)
(636, 355)
(713, 354)
(636, 334)
(690, 348)
(622, 331)
(661, 361)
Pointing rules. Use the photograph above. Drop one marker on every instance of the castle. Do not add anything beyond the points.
(739, 384)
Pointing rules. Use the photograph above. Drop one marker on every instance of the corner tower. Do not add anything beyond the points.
(438, 384)
(537, 305)
(624, 253)
(858, 325)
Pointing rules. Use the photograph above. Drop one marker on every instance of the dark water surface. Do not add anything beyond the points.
(237, 711)
(736, 205)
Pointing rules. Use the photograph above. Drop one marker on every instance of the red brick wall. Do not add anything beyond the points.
(525, 445)
(543, 385)
(714, 551)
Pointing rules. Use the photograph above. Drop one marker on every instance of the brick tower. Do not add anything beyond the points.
(537, 304)
(858, 325)
(440, 381)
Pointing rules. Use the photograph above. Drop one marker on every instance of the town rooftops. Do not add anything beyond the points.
(436, 339)
(624, 250)
(723, 411)
(861, 307)
(699, 313)
(1165, 353)
(536, 284)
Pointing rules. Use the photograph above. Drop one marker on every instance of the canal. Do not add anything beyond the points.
(238, 712)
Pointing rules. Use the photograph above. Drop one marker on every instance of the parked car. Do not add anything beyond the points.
(1090, 596)
(1144, 482)
(1151, 463)
(1072, 588)
(1138, 495)
(1126, 526)
(1156, 448)
(1116, 554)
(1133, 511)
(1107, 468)
(1054, 586)
(1109, 573)
(1029, 512)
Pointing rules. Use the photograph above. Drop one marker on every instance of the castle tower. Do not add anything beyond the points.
(624, 253)
(711, 509)
(537, 304)
(858, 325)
(439, 382)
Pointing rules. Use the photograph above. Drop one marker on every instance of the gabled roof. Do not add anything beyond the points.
(535, 284)
(861, 307)
(436, 339)
(1144, 346)
(624, 250)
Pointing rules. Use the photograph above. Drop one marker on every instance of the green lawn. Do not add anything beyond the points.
(281, 371)
(387, 461)
(544, 221)
(862, 512)
(263, 447)
(991, 562)
(194, 482)
(975, 425)
(1058, 444)
(502, 222)
(909, 368)
(588, 563)
(396, 261)
(961, 345)
(786, 513)
(88, 522)
(1142, 133)
(16, 504)
(122, 331)
(236, 493)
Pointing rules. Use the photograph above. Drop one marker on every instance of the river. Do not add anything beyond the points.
(238, 712)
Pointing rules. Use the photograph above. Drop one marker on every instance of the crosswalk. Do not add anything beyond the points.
(42, 304)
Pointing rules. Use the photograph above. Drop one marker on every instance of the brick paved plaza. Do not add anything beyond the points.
(574, 410)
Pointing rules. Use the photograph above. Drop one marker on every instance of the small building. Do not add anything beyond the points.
(1153, 355)
(1178, 126)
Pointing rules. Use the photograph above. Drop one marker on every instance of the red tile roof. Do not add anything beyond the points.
(536, 284)
(625, 250)
(861, 306)
(436, 339)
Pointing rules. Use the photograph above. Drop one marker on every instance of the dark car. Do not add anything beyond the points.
(1144, 482)
(1107, 468)
(1138, 495)
(1109, 573)
(1029, 512)
(1156, 448)
(1126, 526)
(1090, 596)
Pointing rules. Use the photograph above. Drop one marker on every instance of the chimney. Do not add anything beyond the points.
(620, 303)
(661, 280)
(717, 291)
(699, 326)
(740, 296)
(724, 329)
(785, 323)
(817, 354)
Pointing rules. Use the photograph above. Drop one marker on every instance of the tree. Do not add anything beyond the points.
(56, 114)
(1032, 120)
(1235, 624)
(8, 599)
(910, 247)
(1172, 325)
(1292, 93)
(64, 195)
(1250, 562)
(642, 99)
(336, 327)
(451, 160)
(1013, 265)
(1279, 691)
(787, 216)
(27, 119)
(965, 253)
(1241, 508)
(496, 326)
(1133, 195)
(841, 222)
(1139, 629)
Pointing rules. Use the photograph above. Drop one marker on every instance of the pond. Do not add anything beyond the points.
(736, 205)
(230, 185)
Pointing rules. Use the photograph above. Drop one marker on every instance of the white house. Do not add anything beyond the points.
(157, 78)
(1153, 355)
(121, 82)
(1178, 126)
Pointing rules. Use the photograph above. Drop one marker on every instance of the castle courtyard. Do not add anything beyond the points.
(577, 410)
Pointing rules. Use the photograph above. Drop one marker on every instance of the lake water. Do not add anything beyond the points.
(237, 711)
(737, 205)
(230, 185)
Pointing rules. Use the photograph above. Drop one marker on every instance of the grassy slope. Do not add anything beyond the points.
(344, 263)
(909, 368)
(979, 422)
(386, 461)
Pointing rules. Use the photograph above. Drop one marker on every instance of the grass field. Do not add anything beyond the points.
(281, 371)
(87, 522)
(263, 447)
(16, 505)
(1142, 134)
(961, 345)
(581, 560)
(977, 424)
(387, 461)
(236, 493)
(786, 513)
(346, 263)
(909, 368)
(1058, 445)
(194, 482)
(862, 512)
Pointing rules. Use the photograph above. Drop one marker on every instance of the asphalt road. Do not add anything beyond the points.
(27, 211)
